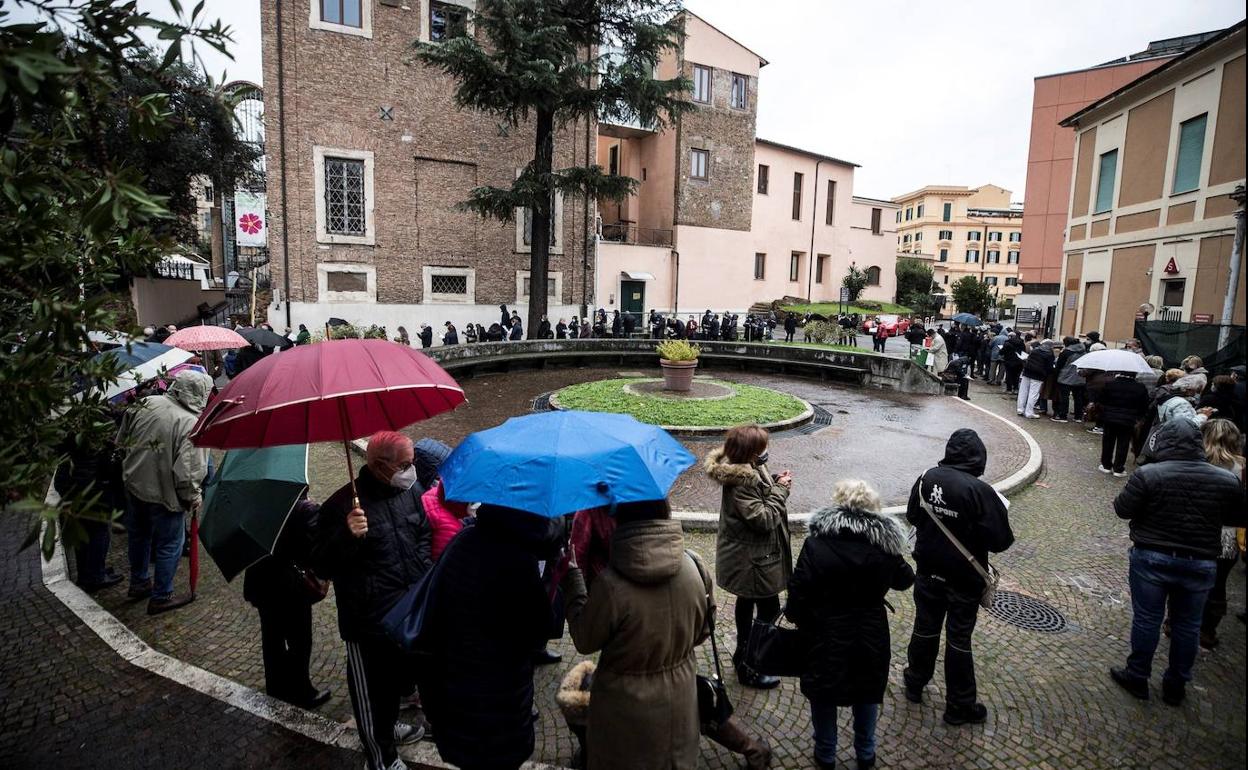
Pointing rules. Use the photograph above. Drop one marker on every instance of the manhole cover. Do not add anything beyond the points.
(1027, 612)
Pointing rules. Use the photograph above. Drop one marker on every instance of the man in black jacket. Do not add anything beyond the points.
(374, 548)
(948, 588)
(1036, 369)
(1177, 504)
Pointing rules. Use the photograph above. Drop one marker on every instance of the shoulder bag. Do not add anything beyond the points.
(991, 577)
(714, 708)
(776, 650)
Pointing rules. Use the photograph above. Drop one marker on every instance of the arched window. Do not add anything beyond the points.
(873, 276)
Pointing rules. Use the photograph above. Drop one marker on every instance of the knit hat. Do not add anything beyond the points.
(429, 455)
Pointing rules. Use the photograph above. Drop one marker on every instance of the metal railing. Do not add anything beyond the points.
(1169, 314)
(179, 270)
(638, 236)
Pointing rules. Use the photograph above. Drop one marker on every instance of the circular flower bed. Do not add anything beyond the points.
(743, 403)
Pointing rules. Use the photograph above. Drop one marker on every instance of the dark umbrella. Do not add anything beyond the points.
(248, 501)
(258, 335)
(967, 319)
(337, 322)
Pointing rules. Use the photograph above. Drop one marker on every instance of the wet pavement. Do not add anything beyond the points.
(883, 437)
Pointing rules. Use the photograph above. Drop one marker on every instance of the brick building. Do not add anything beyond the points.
(367, 157)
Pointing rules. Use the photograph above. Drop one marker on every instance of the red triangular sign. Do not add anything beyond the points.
(1171, 268)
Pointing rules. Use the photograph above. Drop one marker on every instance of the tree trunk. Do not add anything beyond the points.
(539, 263)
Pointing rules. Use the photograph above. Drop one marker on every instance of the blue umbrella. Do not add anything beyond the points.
(559, 462)
(967, 319)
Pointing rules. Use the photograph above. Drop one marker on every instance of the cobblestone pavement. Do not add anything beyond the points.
(68, 701)
(1051, 702)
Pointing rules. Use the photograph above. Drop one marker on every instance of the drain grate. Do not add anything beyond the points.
(821, 420)
(542, 402)
(1027, 612)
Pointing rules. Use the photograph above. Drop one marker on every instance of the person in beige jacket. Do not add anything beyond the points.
(647, 613)
(753, 555)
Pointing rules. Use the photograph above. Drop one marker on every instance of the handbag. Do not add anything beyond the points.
(991, 577)
(714, 707)
(315, 588)
(775, 650)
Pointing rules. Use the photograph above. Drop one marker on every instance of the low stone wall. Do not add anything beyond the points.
(860, 368)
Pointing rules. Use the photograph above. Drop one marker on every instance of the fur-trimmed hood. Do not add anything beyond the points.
(728, 473)
(881, 530)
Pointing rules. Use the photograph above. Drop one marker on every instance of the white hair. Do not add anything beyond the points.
(855, 495)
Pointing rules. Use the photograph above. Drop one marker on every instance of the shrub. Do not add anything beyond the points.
(821, 331)
(344, 332)
(375, 332)
(677, 350)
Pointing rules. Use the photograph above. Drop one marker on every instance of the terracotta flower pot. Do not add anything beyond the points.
(678, 375)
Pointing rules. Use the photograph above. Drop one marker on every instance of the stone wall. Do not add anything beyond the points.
(725, 199)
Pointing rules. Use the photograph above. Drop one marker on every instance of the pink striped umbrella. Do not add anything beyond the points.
(206, 338)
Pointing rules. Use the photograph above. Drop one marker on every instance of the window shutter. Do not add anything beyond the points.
(1191, 149)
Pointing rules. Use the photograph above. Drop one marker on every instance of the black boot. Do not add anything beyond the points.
(748, 677)
(973, 714)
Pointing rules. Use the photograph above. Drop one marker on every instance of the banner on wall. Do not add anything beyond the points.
(250, 227)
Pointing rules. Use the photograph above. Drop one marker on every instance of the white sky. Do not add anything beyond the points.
(918, 92)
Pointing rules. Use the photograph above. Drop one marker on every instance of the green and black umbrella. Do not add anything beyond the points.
(248, 501)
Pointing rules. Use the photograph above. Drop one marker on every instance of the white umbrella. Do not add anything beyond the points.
(1114, 361)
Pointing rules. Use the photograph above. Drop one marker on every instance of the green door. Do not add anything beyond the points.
(633, 300)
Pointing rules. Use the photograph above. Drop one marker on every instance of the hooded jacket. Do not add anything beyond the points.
(1178, 407)
(371, 573)
(490, 612)
(850, 561)
(1011, 349)
(1177, 501)
(1067, 373)
(753, 555)
(1039, 364)
(647, 614)
(161, 465)
(971, 509)
(428, 455)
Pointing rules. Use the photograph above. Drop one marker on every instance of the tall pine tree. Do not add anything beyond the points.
(548, 63)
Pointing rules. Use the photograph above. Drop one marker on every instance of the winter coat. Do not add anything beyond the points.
(371, 573)
(451, 337)
(848, 563)
(561, 331)
(994, 347)
(273, 581)
(517, 331)
(1039, 363)
(161, 466)
(753, 555)
(1178, 407)
(446, 519)
(1067, 372)
(938, 353)
(426, 337)
(1124, 402)
(647, 613)
(971, 509)
(427, 456)
(489, 614)
(1011, 350)
(1223, 400)
(1176, 501)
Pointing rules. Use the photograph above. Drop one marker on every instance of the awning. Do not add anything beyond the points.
(636, 276)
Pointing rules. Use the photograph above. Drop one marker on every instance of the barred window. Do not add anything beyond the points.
(344, 196)
(550, 287)
(528, 228)
(447, 21)
(448, 284)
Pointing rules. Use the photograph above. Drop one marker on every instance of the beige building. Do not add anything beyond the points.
(1151, 213)
(965, 231)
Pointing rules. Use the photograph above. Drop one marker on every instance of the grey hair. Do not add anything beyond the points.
(855, 495)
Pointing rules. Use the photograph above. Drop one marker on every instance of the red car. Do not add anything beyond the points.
(895, 324)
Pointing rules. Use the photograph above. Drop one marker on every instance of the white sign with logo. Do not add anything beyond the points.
(250, 227)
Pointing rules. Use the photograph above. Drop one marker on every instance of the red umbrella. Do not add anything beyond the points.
(206, 338)
(336, 390)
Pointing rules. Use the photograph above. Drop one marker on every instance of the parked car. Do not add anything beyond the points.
(895, 324)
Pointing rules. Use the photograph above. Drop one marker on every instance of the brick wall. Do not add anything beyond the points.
(724, 199)
(335, 86)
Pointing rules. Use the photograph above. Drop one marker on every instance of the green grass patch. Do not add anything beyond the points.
(831, 309)
(749, 404)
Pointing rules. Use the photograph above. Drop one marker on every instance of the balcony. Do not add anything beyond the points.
(637, 236)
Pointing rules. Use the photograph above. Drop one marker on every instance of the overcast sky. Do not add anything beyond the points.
(918, 92)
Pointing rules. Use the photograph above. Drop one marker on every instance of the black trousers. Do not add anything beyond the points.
(938, 604)
(768, 609)
(286, 643)
(1115, 443)
(377, 674)
(1065, 393)
(1215, 604)
(1012, 376)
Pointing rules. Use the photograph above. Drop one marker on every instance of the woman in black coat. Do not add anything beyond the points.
(490, 613)
(851, 559)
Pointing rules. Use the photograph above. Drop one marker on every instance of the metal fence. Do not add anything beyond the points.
(639, 236)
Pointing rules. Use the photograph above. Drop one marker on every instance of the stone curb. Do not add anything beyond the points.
(702, 521)
(132, 649)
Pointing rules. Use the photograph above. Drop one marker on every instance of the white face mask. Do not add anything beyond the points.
(405, 478)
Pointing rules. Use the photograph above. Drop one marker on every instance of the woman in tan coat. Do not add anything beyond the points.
(647, 613)
(753, 556)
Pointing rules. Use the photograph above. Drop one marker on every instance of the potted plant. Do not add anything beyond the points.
(678, 359)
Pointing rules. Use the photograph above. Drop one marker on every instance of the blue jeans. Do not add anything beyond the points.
(1155, 577)
(152, 527)
(823, 719)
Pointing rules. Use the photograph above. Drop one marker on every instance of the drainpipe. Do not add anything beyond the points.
(281, 130)
(810, 255)
(676, 282)
(1237, 257)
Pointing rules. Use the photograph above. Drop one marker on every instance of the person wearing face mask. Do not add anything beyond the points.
(753, 555)
(373, 548)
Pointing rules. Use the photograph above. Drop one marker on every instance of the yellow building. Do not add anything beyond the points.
(964, 231)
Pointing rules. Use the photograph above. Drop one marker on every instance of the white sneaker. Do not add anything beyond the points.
(405, 733)
(1120, 474)
(1103, 469)
(397, 764)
